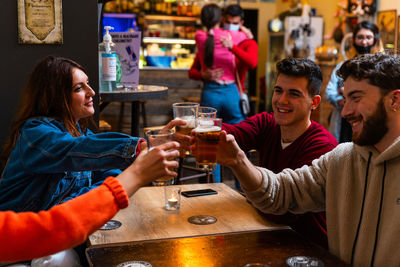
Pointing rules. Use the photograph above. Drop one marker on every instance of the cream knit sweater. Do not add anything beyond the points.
(360, 190)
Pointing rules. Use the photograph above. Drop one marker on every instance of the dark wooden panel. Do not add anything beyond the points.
(269, 247)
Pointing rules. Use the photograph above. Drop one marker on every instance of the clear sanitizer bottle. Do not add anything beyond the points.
(107, 63)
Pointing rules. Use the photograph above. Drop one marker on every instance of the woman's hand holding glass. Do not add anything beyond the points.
(151, 165)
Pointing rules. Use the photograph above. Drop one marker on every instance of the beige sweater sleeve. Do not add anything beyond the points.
(297, 191)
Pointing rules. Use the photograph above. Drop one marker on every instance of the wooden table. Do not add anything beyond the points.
(146, 218)
(142, 92)
(235, 249)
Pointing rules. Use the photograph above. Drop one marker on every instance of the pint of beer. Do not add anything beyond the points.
(186, 129)
(186, 111)
(206, 140)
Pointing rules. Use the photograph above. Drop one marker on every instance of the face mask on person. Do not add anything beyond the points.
(232, 27)
(363, 49)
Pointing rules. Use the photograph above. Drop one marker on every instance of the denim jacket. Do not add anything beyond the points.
(48, 166)
(333, 97)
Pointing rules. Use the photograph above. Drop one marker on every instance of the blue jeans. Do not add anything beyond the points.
(225, 98)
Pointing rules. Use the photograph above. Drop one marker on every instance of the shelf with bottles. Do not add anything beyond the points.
(166, 7)
(168, 41)
(170, 26)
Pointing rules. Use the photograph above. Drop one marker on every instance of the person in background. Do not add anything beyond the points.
(51, 154)
(365, 40)
(288, 138)
(221, 92)
(28, 235)
(246, 52)
(357, 182)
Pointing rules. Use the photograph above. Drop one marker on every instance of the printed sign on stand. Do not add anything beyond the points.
(128, 49)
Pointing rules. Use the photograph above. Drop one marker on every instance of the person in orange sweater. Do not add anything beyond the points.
(28, 235)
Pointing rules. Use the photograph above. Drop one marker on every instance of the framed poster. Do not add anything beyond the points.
(40, 22)
(398, 35)
(386, 23)
(361, 8)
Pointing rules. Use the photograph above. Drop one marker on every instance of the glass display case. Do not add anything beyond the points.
(168, 41)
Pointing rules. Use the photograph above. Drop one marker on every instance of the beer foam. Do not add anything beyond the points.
(206, 123)
(191, 121)
(202, 129)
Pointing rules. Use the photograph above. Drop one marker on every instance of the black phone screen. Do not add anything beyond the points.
(200, 192)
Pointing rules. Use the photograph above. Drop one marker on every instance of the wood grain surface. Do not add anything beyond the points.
(146, 218)
(271, 248)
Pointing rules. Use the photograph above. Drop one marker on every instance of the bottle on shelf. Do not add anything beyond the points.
(174, 7)
(147, 6)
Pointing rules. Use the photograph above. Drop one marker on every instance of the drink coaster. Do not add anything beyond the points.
(135, 264)
(202, 219)
(300, 261)
(111, 225)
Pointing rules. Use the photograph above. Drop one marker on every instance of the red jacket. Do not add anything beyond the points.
(246, 55)
(29, 235)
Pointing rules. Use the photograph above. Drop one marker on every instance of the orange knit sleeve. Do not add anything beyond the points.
(30, 235)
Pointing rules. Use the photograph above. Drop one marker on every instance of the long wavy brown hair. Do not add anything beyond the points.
(47, 93)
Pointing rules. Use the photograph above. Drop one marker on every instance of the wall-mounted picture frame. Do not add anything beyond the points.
(386, 22)
(360, 8)
(40, 22)
(398, 34)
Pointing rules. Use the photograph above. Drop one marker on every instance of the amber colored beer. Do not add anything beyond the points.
(207, 140)
(165, 180)
(190, 125)
(184, 129)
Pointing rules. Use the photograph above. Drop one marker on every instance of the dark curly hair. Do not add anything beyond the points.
(234, 11)
(381, 70)
(302, 67)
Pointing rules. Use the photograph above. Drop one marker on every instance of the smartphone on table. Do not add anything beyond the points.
(200, 192)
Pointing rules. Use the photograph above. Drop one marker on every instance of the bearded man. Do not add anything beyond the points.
(356, 183)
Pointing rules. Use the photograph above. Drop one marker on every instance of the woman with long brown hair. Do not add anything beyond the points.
(51, 155)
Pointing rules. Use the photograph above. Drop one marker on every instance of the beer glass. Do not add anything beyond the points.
(156, 138)
(206, 112)
(186, 111)
(206, 140)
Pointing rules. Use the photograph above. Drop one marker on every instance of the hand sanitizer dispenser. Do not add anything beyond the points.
(107, 63)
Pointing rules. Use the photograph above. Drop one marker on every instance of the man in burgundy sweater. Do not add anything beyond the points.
(287, 138)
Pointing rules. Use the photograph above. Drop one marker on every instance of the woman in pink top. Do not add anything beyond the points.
(221, 93)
